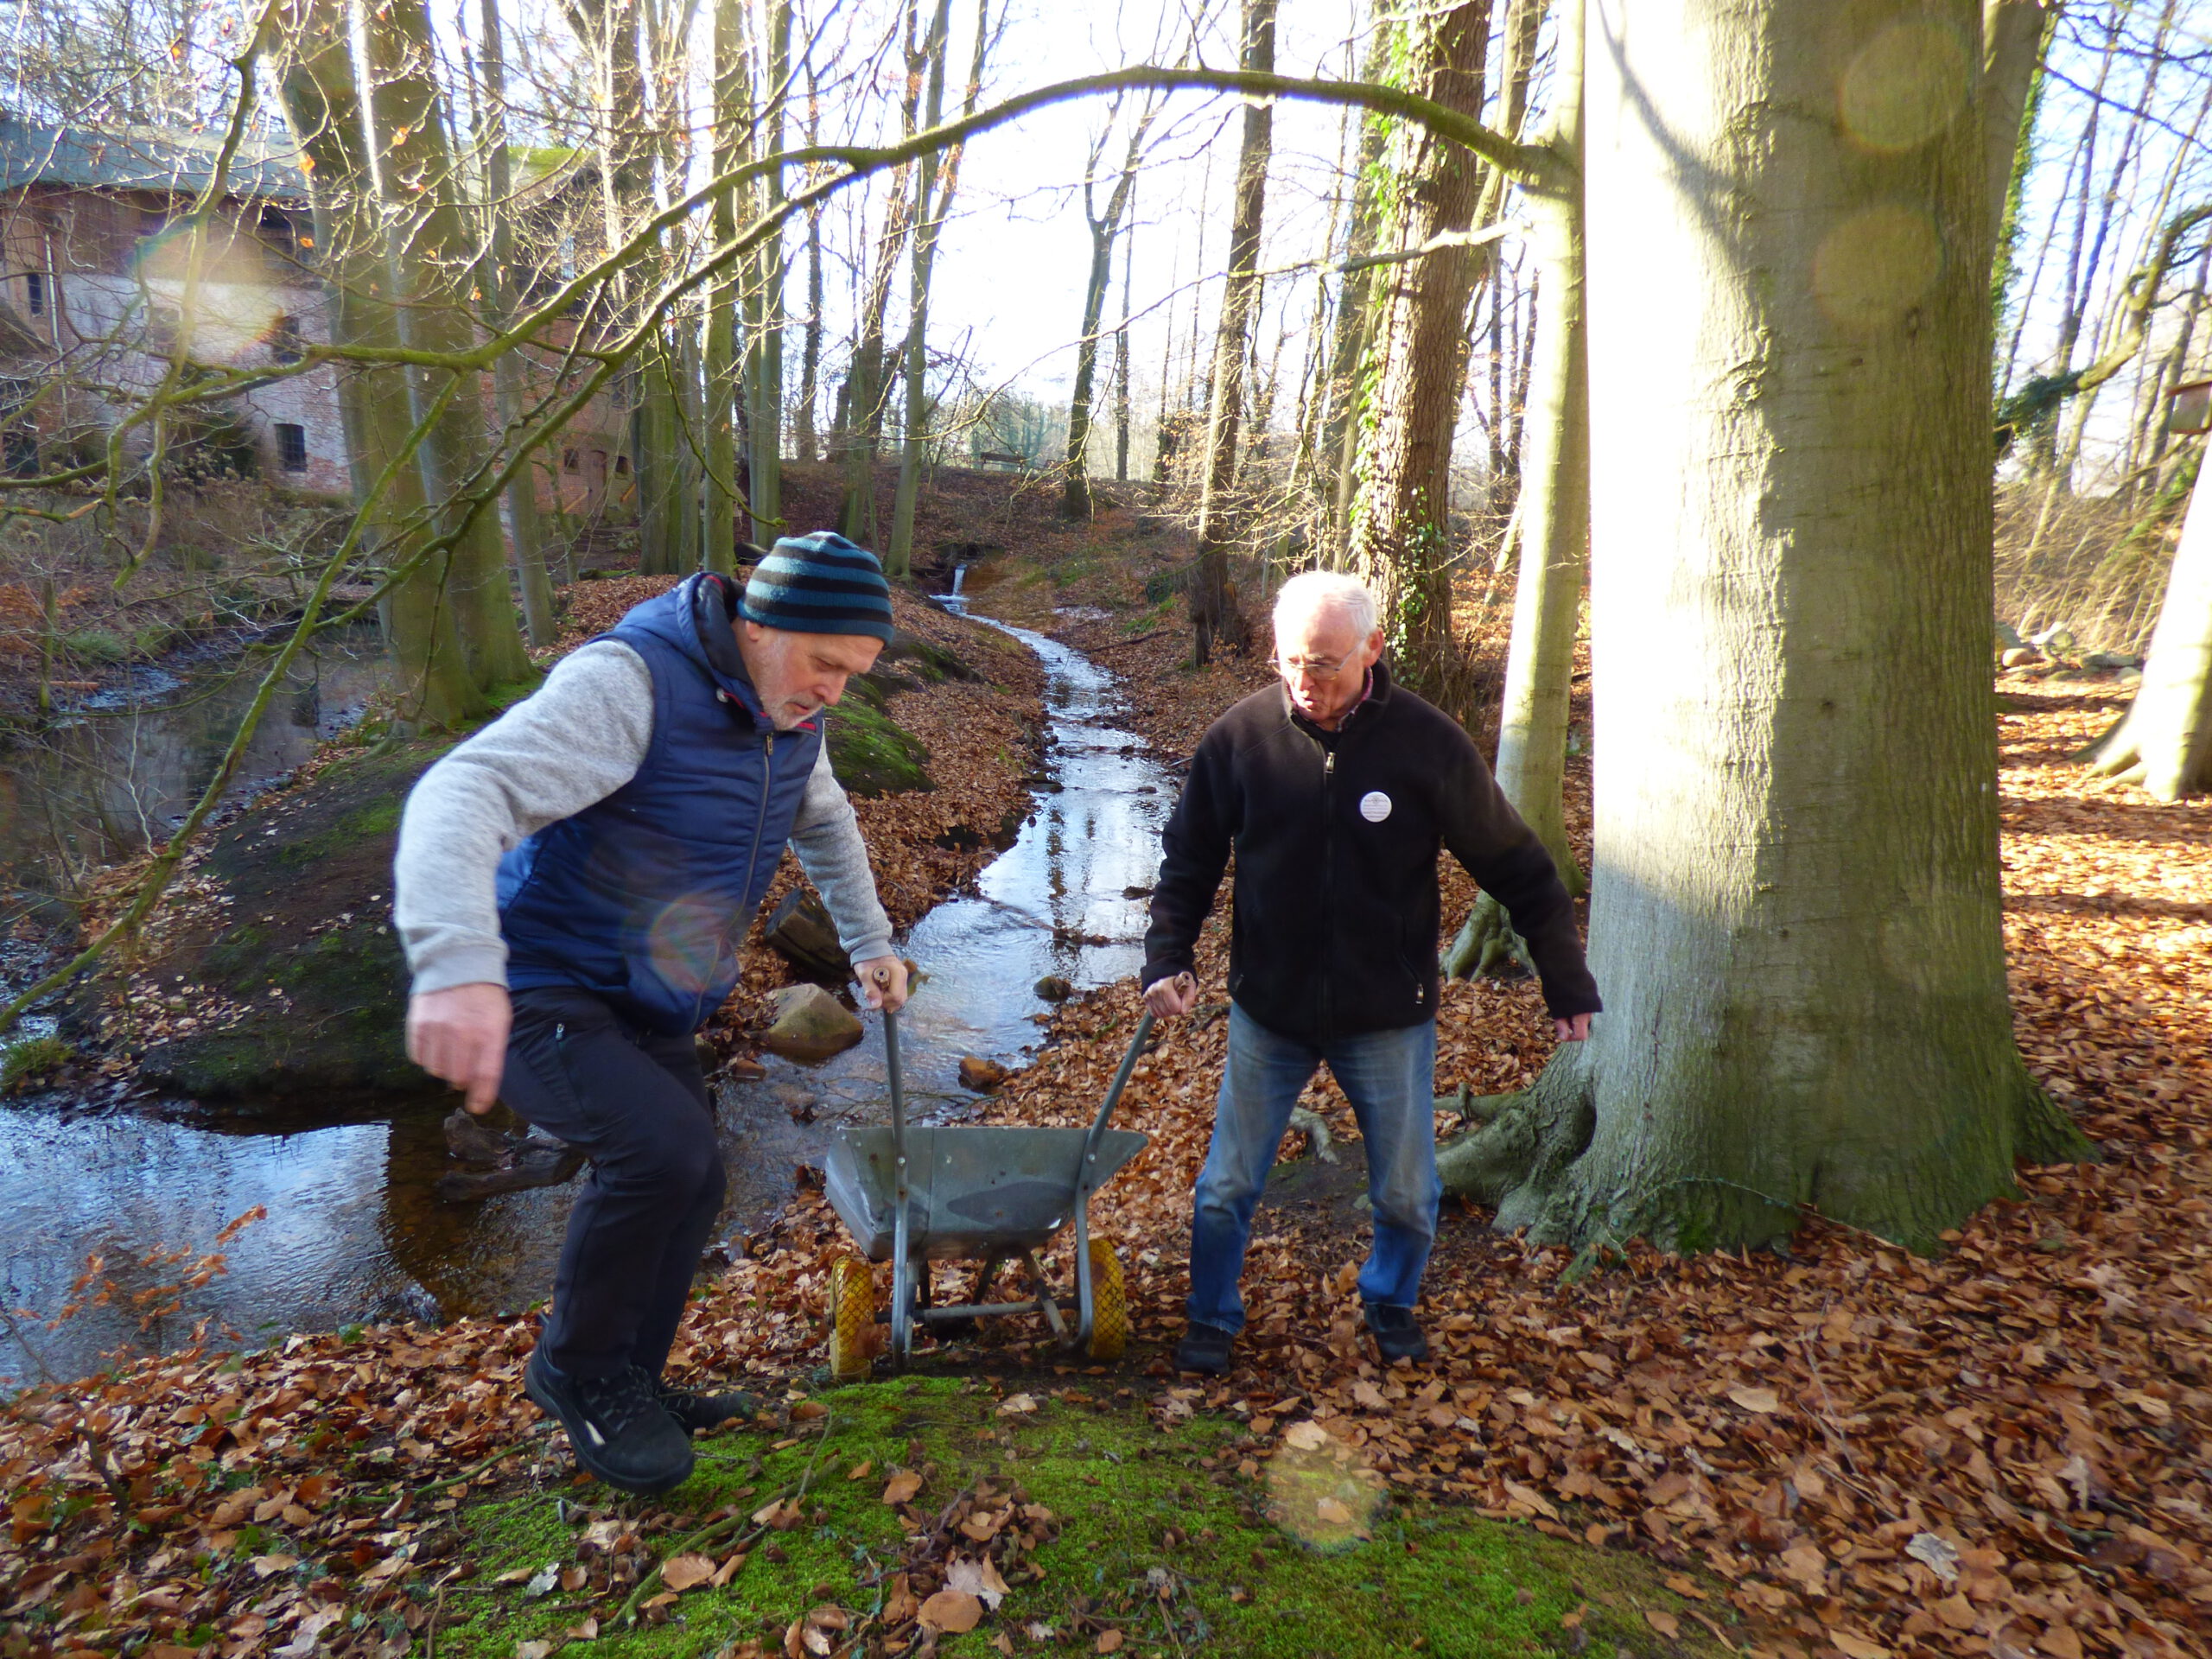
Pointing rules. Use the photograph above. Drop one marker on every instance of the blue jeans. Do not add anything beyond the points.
(1390, 1078)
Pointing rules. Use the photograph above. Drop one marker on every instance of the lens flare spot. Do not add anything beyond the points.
(688, 942)
(1874, 266)
(1905, 85)
(1320, 1490)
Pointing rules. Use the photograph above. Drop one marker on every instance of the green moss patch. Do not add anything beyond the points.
(870, 755)
(1174, 1531)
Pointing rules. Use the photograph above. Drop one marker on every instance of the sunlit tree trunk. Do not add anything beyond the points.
(496, 272)
(322, 106)
(1354, 324)
(731, 119)
(1075, 495)
(1212, 610)
(805, 440)
(864, 384)
(1795, 925)
(2164, 743)
(764, 379)
(433, 259)
(1122, 361)
(1400, 542)
(935, 187)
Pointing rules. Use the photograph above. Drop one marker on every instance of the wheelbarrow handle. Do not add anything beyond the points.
(894, 1075)
(1084, 1179)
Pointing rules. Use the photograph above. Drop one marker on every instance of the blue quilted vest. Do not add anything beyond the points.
(644, 898)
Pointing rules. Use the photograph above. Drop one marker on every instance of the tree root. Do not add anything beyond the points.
(2045, 1133)
(1485, 944)
(1517, 1161)
(1319, 1142)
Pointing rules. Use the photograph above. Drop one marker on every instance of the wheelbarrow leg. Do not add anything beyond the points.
(991, 1271)
(1081, 1339)
(1047, 1303)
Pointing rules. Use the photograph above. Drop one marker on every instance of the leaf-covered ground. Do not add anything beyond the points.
(1848, 1451)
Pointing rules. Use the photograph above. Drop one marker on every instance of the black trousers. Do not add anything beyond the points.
(634, 1103)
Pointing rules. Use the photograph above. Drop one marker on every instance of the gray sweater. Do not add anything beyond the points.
(578, 739)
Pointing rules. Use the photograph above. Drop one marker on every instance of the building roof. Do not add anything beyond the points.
(141, 158)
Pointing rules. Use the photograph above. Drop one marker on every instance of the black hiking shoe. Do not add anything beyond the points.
(1205, 1349)
(1395, 1333)
(695, 1413)
(617, 1427)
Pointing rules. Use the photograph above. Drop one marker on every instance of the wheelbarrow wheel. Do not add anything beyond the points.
(853, 1336)
(1109, 1304)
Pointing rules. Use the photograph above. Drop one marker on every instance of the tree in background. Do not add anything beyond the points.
(934, 185)
(321, 93)
(1105, 227)
(434, 262)
(1416, 361)
(1212, 606)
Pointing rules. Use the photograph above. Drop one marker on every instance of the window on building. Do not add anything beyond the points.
(621, 466)
(569, 461)
(34, 292)
(280, 239)
(291, 446)
(19, 450)
(286, 343)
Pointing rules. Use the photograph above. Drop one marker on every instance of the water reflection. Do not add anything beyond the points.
(120, 768)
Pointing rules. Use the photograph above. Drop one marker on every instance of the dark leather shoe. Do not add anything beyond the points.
(1205, 1349)
(695, 1413)
(1395, 1333)
(617, 1427)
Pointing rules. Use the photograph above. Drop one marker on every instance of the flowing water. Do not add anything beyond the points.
(354, 1230)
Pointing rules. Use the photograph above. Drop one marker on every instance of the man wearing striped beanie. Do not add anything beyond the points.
(572, 886)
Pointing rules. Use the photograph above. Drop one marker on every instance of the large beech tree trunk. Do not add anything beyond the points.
(1796, 925)
(2165, 742)
(323, 105)
(433, 258)
(1212, 606)
(1401, 518)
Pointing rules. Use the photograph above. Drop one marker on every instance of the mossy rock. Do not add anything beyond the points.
(870, 755)
(1172, 1528)
(308, 947)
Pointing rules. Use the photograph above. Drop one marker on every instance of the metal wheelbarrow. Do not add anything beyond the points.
(993, 1194)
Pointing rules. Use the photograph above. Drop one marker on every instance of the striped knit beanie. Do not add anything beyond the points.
(819, 584)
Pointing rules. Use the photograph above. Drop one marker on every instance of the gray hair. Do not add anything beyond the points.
(1313, 591)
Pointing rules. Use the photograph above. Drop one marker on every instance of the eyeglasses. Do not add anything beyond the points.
(1314, 668)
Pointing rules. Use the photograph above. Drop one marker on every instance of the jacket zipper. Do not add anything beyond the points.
(1328, 875)
(760, 817)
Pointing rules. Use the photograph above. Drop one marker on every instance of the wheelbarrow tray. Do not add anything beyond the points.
(971, 1191)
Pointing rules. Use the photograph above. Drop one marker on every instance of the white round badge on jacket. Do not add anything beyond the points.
(1375, 806)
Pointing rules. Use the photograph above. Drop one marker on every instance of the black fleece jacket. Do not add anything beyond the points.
(1335, 919)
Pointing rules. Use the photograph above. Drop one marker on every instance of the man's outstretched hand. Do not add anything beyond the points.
(1177, 994)
(883, 982)
(1576, 1030)
(459, 1035)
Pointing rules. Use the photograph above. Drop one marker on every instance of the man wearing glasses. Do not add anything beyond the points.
(1335, 790)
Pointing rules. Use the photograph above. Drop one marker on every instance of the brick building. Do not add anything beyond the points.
(93, 288)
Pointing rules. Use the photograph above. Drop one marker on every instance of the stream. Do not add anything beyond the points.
(354, 1230)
